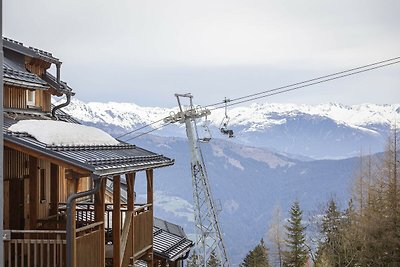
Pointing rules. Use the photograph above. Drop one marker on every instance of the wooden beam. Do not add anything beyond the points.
(54, 191)
(149, 176)
(130, 183)
(33, 192)
(116, 221)
(99, 211)
(39, 155)
(72, 187)
(150, 200)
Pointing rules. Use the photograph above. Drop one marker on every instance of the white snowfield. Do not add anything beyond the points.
(63, 133)
(255, 116)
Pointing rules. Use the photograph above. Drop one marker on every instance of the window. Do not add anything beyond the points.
(30, 97)
(42, 185)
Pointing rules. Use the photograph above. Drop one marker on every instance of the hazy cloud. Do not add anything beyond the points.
(144, 51)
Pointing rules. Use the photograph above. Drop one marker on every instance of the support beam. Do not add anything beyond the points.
(33, 192)
(72, 187)
(149, 178)
(130, 183)
(99, 211)
(116, 221)
(1, 143)
(54, 191)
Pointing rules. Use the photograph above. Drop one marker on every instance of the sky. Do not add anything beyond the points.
(144, 52)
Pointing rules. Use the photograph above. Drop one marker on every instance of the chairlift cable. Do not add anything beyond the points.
(152, 130)
(273, 91)
(279, 90)
(312, 80)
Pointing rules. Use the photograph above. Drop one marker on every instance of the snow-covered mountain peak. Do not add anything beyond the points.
(255, 116)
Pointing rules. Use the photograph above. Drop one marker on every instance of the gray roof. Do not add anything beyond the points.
(29, 51)
(170, 241)
(169, 227)
(16, 75)
(101, 160)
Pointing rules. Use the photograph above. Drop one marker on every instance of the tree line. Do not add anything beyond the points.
(364, 233)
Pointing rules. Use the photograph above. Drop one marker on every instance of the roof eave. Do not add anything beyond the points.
(48, 153)
(27, 85)
(129, 169)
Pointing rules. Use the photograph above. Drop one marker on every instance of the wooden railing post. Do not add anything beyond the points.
(116, 221)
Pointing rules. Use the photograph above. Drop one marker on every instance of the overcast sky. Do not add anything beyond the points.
(145, 51)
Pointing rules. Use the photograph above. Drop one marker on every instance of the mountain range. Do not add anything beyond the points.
(325, 131)
(280, 153)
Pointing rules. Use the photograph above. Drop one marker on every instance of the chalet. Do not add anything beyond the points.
(58, 209)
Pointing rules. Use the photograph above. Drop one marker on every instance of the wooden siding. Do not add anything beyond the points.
(16, 167)
(15, 97)
(16, 164)
(143, 232)
(38, 68)
(88, 238)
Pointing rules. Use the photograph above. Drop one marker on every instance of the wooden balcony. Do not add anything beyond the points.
(48, 247)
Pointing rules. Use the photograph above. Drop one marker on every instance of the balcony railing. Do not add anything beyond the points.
(34, 248)
(48, 247)
(143, 222)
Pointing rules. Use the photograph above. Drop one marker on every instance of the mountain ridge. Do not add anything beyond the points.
(130, 115)
(325, 131)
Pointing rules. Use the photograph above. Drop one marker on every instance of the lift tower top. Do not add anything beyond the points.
(208, 231)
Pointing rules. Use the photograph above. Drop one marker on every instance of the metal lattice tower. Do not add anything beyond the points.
(208, 231)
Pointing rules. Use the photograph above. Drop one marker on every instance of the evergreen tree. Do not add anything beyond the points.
(258, 257)
(297, 252)
(213, 261)
(194, 260)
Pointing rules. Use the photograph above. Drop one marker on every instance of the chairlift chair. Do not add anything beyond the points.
(225, 121)
(207, 134)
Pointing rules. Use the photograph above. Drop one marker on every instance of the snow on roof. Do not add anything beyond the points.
(63, 133)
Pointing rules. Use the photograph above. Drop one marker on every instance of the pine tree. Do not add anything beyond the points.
(297, 252)
(258, 257)
(213, 261)
(331, 229)
(194, 260)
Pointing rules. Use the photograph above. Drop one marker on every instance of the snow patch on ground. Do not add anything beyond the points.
(63, 133)
(175, 205)
(219, 152)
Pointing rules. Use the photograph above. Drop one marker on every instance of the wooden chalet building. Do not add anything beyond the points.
(56, 211)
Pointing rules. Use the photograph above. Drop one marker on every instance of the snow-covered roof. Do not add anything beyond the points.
(63, 133)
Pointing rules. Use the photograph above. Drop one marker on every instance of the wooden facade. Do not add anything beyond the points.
(37, 184)
(16, 98)
(32, 185)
